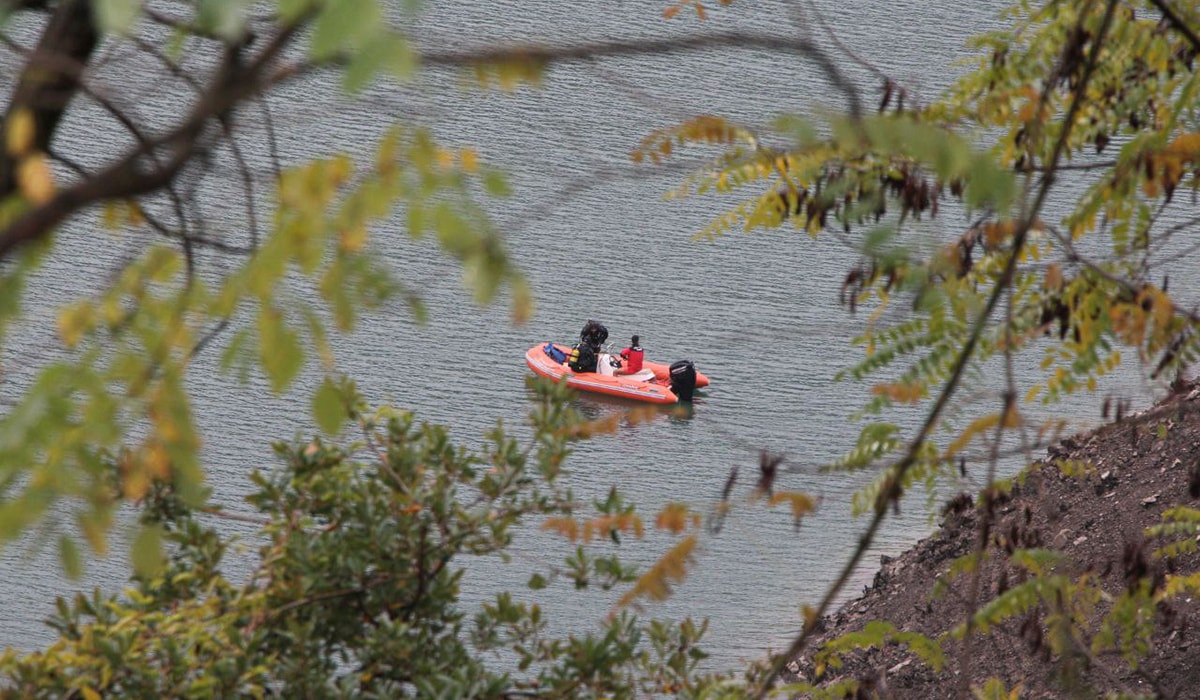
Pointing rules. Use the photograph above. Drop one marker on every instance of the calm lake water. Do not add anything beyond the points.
(757, 313)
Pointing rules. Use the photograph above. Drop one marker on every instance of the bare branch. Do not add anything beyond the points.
(888, 81)
(543, 55)
(272, 145)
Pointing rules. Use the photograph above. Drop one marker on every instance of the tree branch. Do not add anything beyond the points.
(234, 82)
(1177, 22)
(544, 55)
(50, 79)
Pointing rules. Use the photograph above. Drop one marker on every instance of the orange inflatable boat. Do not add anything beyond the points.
(655, 383)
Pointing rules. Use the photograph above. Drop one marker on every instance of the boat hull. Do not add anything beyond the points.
(656, 390)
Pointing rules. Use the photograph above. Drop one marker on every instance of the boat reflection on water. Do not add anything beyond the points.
(600, 407)
(594, 407)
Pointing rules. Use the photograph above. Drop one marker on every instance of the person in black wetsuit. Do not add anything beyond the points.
(584, 355)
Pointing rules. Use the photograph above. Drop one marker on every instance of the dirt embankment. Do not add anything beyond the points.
(1135, 469)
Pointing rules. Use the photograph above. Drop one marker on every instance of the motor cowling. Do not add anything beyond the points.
(683, 379)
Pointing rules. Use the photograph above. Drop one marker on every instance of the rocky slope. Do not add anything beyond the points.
(1134, 469)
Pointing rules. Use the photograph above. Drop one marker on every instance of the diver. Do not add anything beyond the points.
(594, 334)
(585, 354)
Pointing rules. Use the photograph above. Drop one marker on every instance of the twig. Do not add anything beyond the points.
(1177, 22)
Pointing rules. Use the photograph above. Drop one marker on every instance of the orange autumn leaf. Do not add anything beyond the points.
(900, 392)
(674, 517)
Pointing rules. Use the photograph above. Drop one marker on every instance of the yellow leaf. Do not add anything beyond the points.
(1012, 417)
(566, 527)
(610, 524)
(88, 693)
(110, 216)
(810, 615)
(900, 392)
(353, 238)
(997, 233)
(73, 322)
(977, 426)
(136, 484)
(94, 526)
(802, 504)
(1185, 146)
(469, 160)
(35, 179)
(673, 517)
(20, 132)
(340, 168)
(157, 461)
(655, 584)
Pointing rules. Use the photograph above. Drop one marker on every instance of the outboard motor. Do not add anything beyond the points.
(683, 379)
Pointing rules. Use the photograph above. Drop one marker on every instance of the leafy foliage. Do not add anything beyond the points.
(134, 343)
(1057, 86)
(871, 176)
(879, 634)
(357, 588)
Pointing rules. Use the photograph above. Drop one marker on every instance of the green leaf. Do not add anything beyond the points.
(344, 24)
(279, 349)
(800, 130)
(537, 582)
(225, 18)
(328, 408)
(454, 232)
(496, 184)
(987, 183)
(147, 554)
(68, 552)
(116, 16)
(234, 354)
(385, 51)
(292, 10)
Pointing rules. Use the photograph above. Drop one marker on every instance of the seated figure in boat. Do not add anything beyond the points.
(631, 358)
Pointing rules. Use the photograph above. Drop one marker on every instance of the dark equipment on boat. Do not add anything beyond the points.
(683, 379)
(582, 358)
